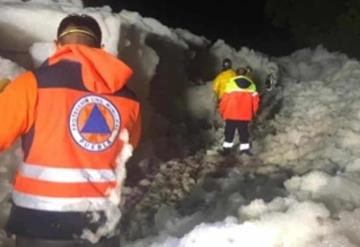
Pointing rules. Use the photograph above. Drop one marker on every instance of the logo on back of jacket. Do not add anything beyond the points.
(94, 123)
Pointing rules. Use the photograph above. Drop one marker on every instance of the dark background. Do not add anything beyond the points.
(275, 27)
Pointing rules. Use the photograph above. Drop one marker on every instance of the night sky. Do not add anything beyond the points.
(245, 25)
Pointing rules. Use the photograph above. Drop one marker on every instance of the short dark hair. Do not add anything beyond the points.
(241, 71)
(81, 21)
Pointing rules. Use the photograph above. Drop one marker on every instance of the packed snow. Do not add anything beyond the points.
(302, 187)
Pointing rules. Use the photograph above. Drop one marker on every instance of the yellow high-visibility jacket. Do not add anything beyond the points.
(221, 80)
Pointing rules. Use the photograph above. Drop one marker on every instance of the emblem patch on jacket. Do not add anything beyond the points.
(94, 123)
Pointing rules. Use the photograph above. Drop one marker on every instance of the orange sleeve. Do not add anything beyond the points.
(135, 133)
(17, 108)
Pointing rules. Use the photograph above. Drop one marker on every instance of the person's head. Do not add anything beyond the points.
(226, 64)
(79, 29)
(241, 71)
(248, 69)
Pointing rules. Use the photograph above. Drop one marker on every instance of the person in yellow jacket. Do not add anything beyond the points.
(223, 78)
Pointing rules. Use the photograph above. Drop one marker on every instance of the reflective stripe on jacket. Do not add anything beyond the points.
(221, 80)
(70, 115)
(239, 103)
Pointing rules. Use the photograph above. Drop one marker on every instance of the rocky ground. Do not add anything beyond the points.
(178, 180)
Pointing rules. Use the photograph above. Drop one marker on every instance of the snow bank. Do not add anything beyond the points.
(22, 25)
(317, 126)
(319, 210)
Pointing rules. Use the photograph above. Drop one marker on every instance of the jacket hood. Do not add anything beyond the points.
(242, 83)
(101, 72)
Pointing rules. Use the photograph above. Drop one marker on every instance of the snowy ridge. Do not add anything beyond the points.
(319, 117)
(179, 36)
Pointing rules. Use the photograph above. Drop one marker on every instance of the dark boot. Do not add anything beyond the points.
(225, 151)
(246, 152)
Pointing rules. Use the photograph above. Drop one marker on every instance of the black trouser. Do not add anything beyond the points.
(36, 228)
(32, 242)
(243, 128)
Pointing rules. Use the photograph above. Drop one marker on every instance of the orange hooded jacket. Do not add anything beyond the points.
(69, 113)
(240, 100)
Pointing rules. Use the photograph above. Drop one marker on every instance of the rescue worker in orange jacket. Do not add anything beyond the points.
(223, 78)
(238, 107)
(69, 113)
